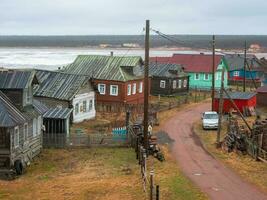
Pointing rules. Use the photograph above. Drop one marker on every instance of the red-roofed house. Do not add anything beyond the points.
(199, 68)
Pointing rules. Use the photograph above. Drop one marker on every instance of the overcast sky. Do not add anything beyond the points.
(87, 17)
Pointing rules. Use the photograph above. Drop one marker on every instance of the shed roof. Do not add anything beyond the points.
(117, 68)
(17, 79)
(262, 89)
(237, 95)
(59, 85)
(191, 62)
(10, 116)
(58, 113)
(165, 70)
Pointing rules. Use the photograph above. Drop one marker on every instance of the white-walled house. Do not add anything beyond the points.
(57, 89)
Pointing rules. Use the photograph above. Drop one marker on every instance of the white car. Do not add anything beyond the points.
(210, 120)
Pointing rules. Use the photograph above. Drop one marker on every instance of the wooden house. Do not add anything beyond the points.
(118, 79)
(262, 96)
(199, 69)
(62, 90)
(236, 71)
(167, 79)
(242, 100)
(20, 123)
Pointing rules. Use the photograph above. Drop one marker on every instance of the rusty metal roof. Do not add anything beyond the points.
(165, 70)
(59, 85)
(10, 116)
(106, 67)
(17, 79)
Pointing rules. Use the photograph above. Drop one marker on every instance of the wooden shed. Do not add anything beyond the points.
(262, 96)
(241, 99)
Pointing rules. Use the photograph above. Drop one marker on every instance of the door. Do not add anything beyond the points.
(4, 138)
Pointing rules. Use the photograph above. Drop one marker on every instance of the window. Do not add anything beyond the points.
(16, 137)
(185, 83)
(76, 108)
(174, 84)
(84, 106)
(34, 127)
(162, 84)
(236, 73)
(140, 87)
(134, 88)
(114, 90)
(25, 132)
(90, 104)
(206, 76)
(196, 76)
(180, 84)
(129, 89)
(218, 76)
(102, 88)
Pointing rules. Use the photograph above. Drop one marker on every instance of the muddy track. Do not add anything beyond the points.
(210, 175)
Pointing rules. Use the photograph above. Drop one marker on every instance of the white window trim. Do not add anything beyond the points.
(206, 79)
(174, 84)
(236, 73)
(162, 84)
(140, 87)
(99, 86)
(129, 89)
(218, 76)
(134, 88)
(196, 76)
(179, 83)
(117, 90)
(16, 138)
(185, 83)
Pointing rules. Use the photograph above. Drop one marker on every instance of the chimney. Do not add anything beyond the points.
(111, 53)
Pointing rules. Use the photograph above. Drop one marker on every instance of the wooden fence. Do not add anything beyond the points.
(90, 140)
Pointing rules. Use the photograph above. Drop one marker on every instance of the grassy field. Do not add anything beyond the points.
(95, 174)
(253, 171)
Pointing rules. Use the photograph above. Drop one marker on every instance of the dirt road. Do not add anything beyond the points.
(212, 177)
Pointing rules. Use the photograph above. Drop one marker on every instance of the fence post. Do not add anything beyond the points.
(157, 192)
(151, 185)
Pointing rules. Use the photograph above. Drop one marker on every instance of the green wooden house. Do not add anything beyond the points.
(199, 68)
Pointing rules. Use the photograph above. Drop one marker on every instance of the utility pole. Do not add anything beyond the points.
(146, 85)
(245, 63)
(220, 112)
(213, 73)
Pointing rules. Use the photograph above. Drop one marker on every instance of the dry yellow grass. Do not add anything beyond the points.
(251, 170)
(95, 174)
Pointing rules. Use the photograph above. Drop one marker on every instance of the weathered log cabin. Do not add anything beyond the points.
(62, 90)
(167, 79)
(20, 123)
(117, 78)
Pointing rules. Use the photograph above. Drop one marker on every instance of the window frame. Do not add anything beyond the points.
(185, 83)
(141, 87)
(197, 76)
(90, 105)
(84, 106)
(25, 131)
(129, 89)
(236, 74)
(104, 88)
(111, 91)
(134, 88)
(179, 83)
(162, 84)
(206, 78)
(16, 137)
(174, 84)
(76, 109)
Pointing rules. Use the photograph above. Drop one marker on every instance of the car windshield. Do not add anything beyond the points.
(211, 116)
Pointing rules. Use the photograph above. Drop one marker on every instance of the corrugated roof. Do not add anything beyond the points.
(238, 95)
(59, 85)
(236, 62)
(16, 79)
(105, 67)
(164, 70)
(191, 62)
(262, 89)
(40, 107)
(10, 116)
(58, 113)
